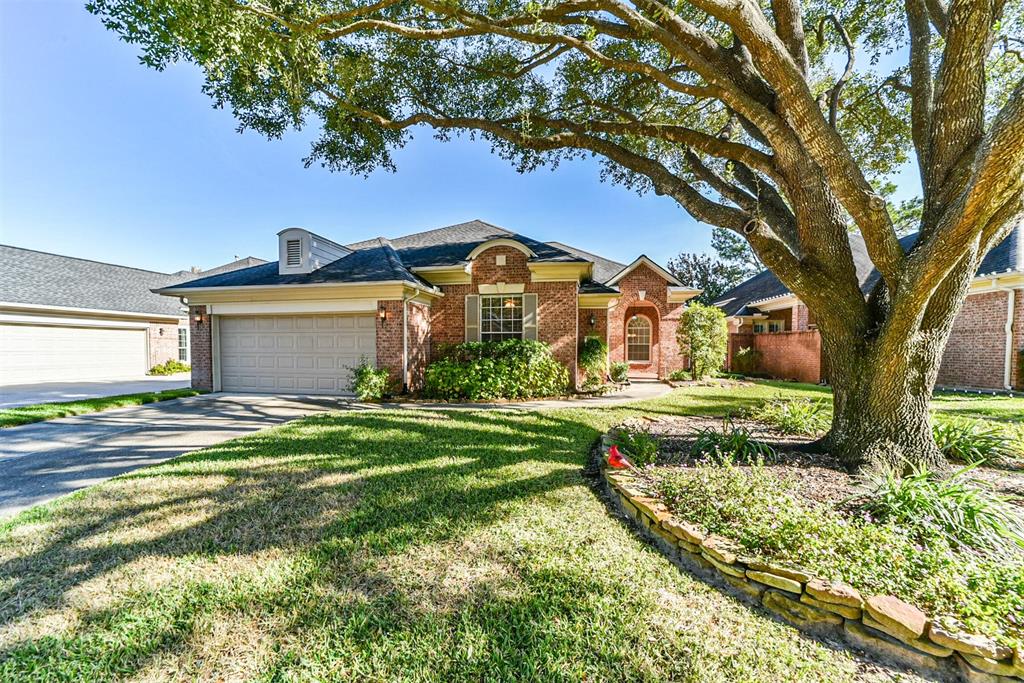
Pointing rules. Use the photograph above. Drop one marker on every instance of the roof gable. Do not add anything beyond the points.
(645, 261)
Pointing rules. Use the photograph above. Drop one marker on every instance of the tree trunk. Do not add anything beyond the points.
(881, 404)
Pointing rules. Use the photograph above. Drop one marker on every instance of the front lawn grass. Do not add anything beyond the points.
(40, 412)
(419, 545)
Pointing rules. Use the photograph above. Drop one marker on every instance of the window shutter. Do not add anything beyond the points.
(472, 318)
(530, 321)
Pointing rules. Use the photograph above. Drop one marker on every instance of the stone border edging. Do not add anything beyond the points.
(882, 625)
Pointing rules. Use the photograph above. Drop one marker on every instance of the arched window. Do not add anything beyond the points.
(638, 340)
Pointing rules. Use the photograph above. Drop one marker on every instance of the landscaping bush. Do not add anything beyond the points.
(171, 367)
(703, 336)
(768, 518)
(963, 511)
(370, 383)
(730, 445)
(803, 416)
(593, 360)
(679, 376)
(970, 441)
(746, 360)
(637, 445)
(619, 372)
(481, 371)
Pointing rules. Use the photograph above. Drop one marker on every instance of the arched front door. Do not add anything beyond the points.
(638, 339)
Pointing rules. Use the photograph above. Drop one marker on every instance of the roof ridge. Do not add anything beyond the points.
(453, 225)
(89, 260)
(563, 245)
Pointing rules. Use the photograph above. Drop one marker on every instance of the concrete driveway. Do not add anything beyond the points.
(39, 462)
(12, 395)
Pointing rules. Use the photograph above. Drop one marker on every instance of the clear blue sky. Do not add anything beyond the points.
(103, 158)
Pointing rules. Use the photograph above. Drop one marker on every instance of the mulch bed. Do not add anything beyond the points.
(818, 477)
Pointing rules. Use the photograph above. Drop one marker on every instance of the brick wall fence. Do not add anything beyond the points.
(784, 355)
(202, 349)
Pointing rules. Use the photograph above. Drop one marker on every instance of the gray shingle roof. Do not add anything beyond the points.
(1008, 255)
(374, 261)
(604, 269)
(40, 278)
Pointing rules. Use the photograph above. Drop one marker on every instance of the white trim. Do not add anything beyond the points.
(678, 295)
(296, 307)
(466, 267)
(66, 321)
(776, 303)
(215, 350)
(503, 288)
(1008, 342)
(642, 259)
(157, 317)
(500, 242)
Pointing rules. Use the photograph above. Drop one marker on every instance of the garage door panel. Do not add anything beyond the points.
(38, 353)
(303, 354)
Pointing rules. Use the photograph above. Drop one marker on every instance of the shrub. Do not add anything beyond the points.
(619, 372)
(637, 445)
(481, 371)
(171, 367)
(794, 416)
(679, 375)
(703, 336)
(370, 383)
(746, 360)
(770, 519)
(963, 511)
(731, 444)
(593, 360)
(970, 441)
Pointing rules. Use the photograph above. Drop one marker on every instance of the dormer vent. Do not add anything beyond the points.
(300, 252)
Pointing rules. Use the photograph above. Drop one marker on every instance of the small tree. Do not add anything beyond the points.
(593, 361)
(703, 335)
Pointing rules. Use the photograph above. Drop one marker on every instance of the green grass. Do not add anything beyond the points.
(381, 545)
(40, 412)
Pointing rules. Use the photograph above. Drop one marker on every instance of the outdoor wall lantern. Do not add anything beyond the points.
(199, 317)
(593, 320)
(382, 313)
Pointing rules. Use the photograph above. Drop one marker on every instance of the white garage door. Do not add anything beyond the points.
(294, 354)
(34, 353)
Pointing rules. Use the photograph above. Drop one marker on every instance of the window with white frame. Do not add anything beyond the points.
(501, 317)
(759, 328)
(183, 344)
(638, 339)
(776, 326)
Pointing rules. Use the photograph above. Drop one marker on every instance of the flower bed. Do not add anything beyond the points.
(876, 620)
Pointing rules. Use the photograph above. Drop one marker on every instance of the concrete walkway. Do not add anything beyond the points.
(13, 395)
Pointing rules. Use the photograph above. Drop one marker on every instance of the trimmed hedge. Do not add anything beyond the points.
(483, 371)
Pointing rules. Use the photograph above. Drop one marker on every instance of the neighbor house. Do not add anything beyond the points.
(984, 350)
(65, 319)
(300, 324)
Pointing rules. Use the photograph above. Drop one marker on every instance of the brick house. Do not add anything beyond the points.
(67, 319)
(300, 324)
(984, 349)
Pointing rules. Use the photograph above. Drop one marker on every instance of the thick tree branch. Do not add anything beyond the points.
(789, 25)
(920, 81)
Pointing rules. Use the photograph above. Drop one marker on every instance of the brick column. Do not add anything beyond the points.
(201, 339)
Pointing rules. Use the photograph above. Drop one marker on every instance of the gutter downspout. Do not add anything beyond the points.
(405, 342)
(1008, 343)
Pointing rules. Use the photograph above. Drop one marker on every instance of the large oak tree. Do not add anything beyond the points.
(779, 120)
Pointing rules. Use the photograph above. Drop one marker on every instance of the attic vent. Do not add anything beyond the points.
(294, 253)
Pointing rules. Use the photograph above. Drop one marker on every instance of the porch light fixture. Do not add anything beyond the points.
(593, 320)
(199, 317)
(382, 313)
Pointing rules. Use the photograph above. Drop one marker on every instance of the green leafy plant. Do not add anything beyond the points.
(679, 375)
(637, 445)
(961, 510)
(746, 360)
(171, 367)
(481, 371)
(703, 336)
(970, 441)
(730, 444)
(619, 372)
(794, 416)
(593, 360)
(370, 383)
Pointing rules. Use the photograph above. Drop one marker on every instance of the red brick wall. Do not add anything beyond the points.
(1018, 339)
(556, 304)
(790, 355)
(419, 343)
(389, 341)
(163, 343)
(665, 356)
(202, 349)
(599, 329)
(975, 355)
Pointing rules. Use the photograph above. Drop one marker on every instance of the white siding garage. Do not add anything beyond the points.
(307, 354)
(37, 353)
